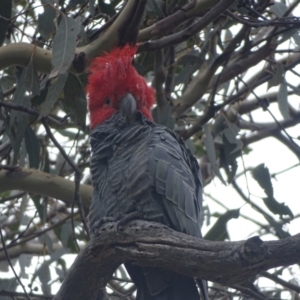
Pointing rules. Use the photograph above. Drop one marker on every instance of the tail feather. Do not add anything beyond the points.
(158, 284)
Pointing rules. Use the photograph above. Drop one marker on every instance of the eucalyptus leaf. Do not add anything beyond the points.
(64, 45)
(33, 148)
(277, 208)
(24, 262)
(46, 25)
(296, 38)
(262, 175)
(278, 77)
(75, 100)
(53, 94)
(219, 231)
(18, 97)
(278, 8)
(37, 200)
(46, 240)
(211, 152)
(282, 99)
(43, 273)
(32, 83)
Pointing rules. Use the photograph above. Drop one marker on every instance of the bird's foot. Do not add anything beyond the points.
(101, 222)
(125, 219)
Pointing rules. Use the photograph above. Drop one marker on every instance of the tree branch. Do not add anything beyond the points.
(188, 32)
(152, 244)
(21, 53)
(191, 9)
(34, 181)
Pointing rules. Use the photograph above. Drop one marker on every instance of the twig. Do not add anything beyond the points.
(285, 170)
(272, 115)
(27, 110)
(249, 292)
(9, 168)
(282, 282)
(280, 22)
(159, 79)
(73, 166)
(60, 148)
(19, 195)
(11, 266)
(36, 234)
(188, 32)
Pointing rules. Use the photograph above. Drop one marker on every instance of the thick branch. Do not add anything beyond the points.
(151, 244)
(34, 181)
(21, 53)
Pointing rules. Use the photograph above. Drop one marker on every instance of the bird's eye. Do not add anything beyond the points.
(107, 101)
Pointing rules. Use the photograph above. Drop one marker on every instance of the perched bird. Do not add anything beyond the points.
(140, 166)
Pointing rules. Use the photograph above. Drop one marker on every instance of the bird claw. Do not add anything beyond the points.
(102, 222)
(125, 219)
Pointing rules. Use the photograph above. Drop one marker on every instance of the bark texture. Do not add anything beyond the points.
(152, 244)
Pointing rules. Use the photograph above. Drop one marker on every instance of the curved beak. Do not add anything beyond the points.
(128, 107)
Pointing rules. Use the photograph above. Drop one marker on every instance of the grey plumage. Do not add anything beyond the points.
(142, 166)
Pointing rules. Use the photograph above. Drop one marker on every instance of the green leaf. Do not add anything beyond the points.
(8, 285)
(7, 82)
(219, 125)
(18, 97)
(219, 231)
(39, 99)
(262, 175)
(53, 94)
(278, 77)
(24, 261)
(43, 273)
(75, 100)
(211, 153)
(46, 25)
(282, 99)
(66, 236)
(64, 45)
(37, 200)
(278, 8)
(231, 153)
(278, 227)
(27, 81)
(32, 83)
(17, 133)
(277, 208)
(5, 15)
(296, 38)
(32, 147)
(45, 239)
